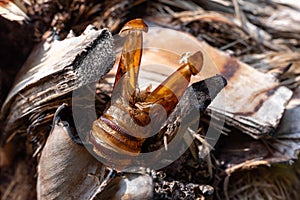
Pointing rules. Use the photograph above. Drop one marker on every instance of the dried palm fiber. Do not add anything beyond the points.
(279, 181)
(284, 65)
(75, 15)
(243, 28)
(18, 181)
(257, 27)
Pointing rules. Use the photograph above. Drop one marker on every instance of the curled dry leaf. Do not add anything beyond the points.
(66, 169)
